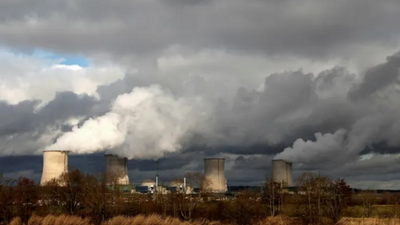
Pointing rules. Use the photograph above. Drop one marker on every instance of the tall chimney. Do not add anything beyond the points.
(116, 170)
(55, 163)
(214, 172)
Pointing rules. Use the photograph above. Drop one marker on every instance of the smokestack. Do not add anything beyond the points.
(116, 170)
(282, 172)
(214, 171)
(55, 163)
(184, 185)
(156, 188)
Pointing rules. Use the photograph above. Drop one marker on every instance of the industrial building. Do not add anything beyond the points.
(214, 172)
(150, 184)
(116, 170)
(55, 163)
(282, 172)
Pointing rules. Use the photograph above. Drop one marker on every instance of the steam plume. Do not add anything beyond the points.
(145, 123)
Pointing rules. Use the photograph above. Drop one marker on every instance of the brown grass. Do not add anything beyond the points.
(158, 220)
(16, 221)
(58, 220)
(154, 220)
(118, 220)
(280, 220)
(368, 221)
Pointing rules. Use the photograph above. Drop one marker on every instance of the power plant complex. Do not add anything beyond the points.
(55, 163)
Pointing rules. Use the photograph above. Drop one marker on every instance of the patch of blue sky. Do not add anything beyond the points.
(63, 59)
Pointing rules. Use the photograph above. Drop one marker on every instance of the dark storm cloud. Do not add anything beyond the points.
(378, 77)
(381, 147)
(23, 125)
(251, 124)
(292, 105)
(308, 27)
(16, 118)
(23, 117)
(11, 164)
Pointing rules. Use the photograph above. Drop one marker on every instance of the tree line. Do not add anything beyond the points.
(316, 200)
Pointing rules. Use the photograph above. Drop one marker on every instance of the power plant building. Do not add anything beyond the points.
(55, 163)
(116, 170)
(282, 172)
(214, 172)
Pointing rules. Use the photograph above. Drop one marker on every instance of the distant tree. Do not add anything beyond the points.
(312, 190)
(337, 199)
(272, 196)
(368, 198)
(26, 198)
(395, 202)
(246, 208)
(96, 196)
(7, 195)
(187, 204)
(68, 190)
(320, 198)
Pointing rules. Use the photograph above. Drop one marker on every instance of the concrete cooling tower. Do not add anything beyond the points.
(55, 163)
(116, 170)
(282, 172)
(214, 172)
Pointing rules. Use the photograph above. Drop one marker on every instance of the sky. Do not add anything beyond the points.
(309, 81)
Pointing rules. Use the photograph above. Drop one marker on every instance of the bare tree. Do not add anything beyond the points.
(272, 196)
(246, 208)
(337, 198)
(26, 198)
(395, 201)
(6, 197)
(313, 190)
(95, 196)
(368, 198)
(68, 191)
(187, 204)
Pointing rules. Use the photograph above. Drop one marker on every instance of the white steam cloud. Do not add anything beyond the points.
(145, 123)
(347, 115)
(323, 148)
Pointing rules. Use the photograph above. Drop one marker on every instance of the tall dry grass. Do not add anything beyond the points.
(153, 220)
(53, 220)
(118, 220)
(158, 220)
(368, 221)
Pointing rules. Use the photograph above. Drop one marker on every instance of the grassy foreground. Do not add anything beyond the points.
(158, 220)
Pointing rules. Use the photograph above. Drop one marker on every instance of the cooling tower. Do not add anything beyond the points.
(214, 172)
(116, 170)
(282, 172)
(55, 163)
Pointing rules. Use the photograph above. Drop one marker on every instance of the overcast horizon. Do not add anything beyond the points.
(313, 82)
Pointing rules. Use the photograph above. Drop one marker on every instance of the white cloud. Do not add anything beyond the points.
(24, 77)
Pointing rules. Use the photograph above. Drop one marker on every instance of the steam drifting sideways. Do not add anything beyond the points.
(145, 123)
(365, 113)
(318, 119)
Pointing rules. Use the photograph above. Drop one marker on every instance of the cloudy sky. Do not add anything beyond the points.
(314, 82)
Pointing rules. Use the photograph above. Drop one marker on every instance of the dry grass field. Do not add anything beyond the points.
(158, 220)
